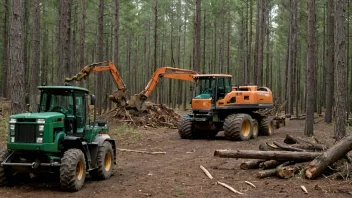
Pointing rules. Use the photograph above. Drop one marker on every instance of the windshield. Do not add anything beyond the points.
(204, 87)
(57, 102)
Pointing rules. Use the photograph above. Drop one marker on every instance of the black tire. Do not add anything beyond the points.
(105, 162)
(73, 170)
(238, 127)
(186, 128)
(255, 129)
(266, 126)
(5, 174)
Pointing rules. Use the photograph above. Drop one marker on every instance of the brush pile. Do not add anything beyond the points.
(150, 115)
(296, 157)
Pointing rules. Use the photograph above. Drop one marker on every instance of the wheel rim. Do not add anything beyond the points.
(255, 129)
(79, 170)
(107, 161)
(246, 128)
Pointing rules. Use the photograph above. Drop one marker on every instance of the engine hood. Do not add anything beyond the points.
(48, 116)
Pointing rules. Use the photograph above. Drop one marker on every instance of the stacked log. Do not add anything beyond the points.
(292, 157)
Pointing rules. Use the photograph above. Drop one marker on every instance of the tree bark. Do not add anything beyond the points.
(336, 152)
(272, 155)
(197, 29)
(35, 53)
(116, 34)
(17, 84)
(99, 56)
(341, 69)
(5, 53)
(330, 63)
(309, 122)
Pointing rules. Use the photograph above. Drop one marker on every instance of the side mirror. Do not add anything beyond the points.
(26, 99)
(92, 100)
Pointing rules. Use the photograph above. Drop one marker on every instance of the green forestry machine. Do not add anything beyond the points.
(60, 139)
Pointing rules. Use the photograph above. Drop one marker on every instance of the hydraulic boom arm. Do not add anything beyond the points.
(167, 72)
(163, 72)
(119, 95)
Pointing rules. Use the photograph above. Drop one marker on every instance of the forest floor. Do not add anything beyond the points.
(177, 173)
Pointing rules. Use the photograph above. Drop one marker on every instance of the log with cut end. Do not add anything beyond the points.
(336, 152)
(273, 155)
(290, 171)
(251, 164)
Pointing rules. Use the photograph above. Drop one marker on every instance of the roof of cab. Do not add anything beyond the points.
(64, 88)
(213, 75)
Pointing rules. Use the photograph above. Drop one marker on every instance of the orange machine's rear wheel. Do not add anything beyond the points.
(266, 126)
(255, 129)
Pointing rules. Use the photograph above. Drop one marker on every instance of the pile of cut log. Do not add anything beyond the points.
(152, 115)
(296, 157)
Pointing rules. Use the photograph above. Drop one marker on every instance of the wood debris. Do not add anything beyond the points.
(139, 151)
(206, 172)
(306, 157)
(150, 115)
(230, 188)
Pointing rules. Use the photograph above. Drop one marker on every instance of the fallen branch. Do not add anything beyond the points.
(230, 188)
(251, 184)
(275, 155)
(304, 189)
(292, 140)
(251, 164)
(270, 164)
(138, 151)
(287, 147)
(206, 172)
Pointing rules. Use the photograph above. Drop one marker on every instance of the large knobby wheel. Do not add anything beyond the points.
(5, 173)
(73, 170)
(255, 129)
(266, 126)
(238, 127)
(186, 128)
(105, 162)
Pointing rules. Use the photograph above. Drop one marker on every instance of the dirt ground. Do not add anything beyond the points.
(177, 173)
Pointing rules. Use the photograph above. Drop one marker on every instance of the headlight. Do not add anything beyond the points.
(12, 127)
(13, 120)
(12, 139)
(41, 127)
(39, 140)
(41, 121)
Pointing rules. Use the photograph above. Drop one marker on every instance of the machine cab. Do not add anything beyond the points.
(70, 101)
(210, 88)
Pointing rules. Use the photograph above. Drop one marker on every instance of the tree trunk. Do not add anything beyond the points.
(341, 69)
(35, 54)
(17, 68)
(100, 55)
(5, 53)
(336, 152)
(197, 28)
(116, 34)
(155, 42)
(272, 155)
(330, 63)
(308, 130)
